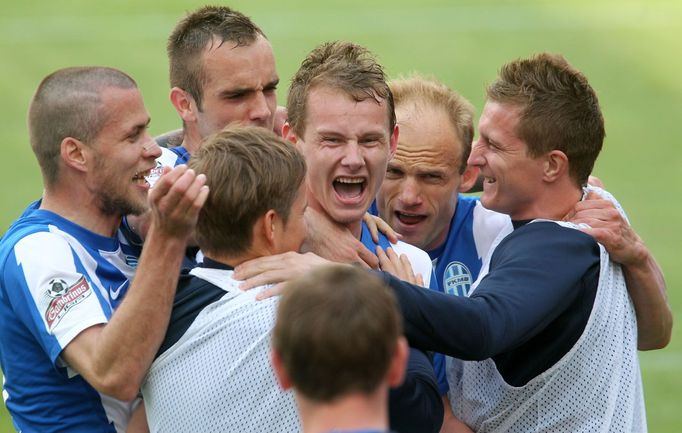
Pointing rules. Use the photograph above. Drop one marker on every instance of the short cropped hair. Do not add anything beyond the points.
(429, 93)
(336, 332)
(338, 65)
(191, 36)
(68, 103)
(559, 110)
(249, 170)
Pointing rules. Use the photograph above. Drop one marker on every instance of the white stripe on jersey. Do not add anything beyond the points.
(39, 273)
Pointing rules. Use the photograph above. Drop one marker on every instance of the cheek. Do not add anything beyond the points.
(442, 199)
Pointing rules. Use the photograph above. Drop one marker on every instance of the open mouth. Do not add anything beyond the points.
(349, 188)
(141, 177)
(489, 179)
(409, 218)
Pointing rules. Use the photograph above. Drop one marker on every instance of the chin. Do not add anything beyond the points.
(346, 216)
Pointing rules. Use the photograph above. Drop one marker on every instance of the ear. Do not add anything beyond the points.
(269, 229)
(74, 153)
(393, 142)
(396, 369)
(184, 104)
(280, 372)
(555, 166)
(288, 133)
(469, 178)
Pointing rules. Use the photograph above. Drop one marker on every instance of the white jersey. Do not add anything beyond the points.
(595, 387)
(217, 377)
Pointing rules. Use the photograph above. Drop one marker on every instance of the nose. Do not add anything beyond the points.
(150, 148)
(353, 157)
(476, 156)
(409, 192)
(260, 111)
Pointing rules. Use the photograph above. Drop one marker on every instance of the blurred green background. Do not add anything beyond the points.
(630, 51)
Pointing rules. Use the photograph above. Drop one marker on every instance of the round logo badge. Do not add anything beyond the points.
(457, 279)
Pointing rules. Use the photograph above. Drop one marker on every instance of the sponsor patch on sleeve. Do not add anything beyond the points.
(63, 298)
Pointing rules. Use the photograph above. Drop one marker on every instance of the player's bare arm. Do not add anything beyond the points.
(643, 275)
(450, 423)
(114, 357)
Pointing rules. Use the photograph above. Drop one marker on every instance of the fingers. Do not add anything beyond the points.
(384, 262)
(387, 230)
(165, 181)
(275, 269)
(595, 181)
(251, 268)
(176, 200)
(366, 257)
(375, 225)
(420, 280)
(406, 269)
(275, 290)
(593, 195)
(595, 212)
(267, 277)
(399, 266)
(179, 190)
(371, 226)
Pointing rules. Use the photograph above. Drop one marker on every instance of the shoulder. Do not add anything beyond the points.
(30, 237)
(550, 239)
(170, 138)
(486, 219)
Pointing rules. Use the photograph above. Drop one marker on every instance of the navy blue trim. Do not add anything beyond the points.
(213, 264)
(192, 296)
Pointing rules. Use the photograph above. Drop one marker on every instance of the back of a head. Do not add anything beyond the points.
(345, 66)
(558, 109)
(249, 171)
(425, 93)
(67, 103)
(337, 330)
(191, 36)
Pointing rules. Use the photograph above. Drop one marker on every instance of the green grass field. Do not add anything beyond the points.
(629, 50)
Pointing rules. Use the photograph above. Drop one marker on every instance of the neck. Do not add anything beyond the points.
(354, 227)
(354, 412)
(85, 213)
(552, 204)
(191, 140)
(233, 260)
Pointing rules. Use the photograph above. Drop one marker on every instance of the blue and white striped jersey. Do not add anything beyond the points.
(56, 280)
(473, 229)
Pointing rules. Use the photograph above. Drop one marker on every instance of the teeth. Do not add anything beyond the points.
(408, 214)
(349, 180)
(141, 174)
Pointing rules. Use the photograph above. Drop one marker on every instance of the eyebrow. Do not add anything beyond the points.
(244, 90)
(138, 127)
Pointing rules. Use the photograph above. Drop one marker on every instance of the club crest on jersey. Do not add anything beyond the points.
(457, 279)
(64, 297)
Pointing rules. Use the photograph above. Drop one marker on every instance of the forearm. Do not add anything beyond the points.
(114, 358)
(130, 341)
(450, 423)
(430, 320)
(647, 289)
